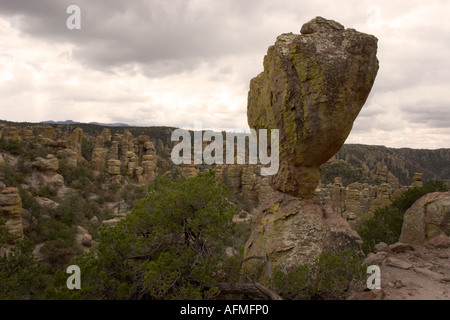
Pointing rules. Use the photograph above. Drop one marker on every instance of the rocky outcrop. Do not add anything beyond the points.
(417, 180)
(312, 88)
(428, 217)
(10, 133)
(114, 167)
(233, 176)
(46, 173)
(358, 201)
(84, 239)
(11, 209)
(136, 156)
(291, 231)
(49, 164)
(188, 170)
(383, 197)
(338, 196)
(99, 158)
(46, 203)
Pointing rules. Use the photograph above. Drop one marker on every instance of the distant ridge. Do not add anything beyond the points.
(118, 124)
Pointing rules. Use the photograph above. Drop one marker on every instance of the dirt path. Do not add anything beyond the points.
(412, 272)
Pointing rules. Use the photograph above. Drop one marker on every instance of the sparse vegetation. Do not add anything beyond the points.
(21, 276)
(86, 149)
(169, 247)
(348, 173)
(330, 277)
(172, 245)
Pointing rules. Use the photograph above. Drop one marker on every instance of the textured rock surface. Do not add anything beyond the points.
(11, 209)
(98, 158)
(291, 231)
(412, 272)
(50, 163)
(428, 217)
(312, 88)
(113, 167)
(417, 180)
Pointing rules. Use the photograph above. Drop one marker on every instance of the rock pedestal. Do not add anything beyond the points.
(312, 88)
(291, 231)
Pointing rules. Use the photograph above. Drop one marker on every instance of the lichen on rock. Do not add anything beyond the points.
(312, 88)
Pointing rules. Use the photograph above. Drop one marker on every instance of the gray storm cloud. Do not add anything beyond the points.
(175, 62)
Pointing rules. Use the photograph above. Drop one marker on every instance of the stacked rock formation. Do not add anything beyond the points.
(417, 180)
(67, 144)
(245, 179)
(126, 158)
(46, 174)
(11, 209)
(312, 88)
(358, 201)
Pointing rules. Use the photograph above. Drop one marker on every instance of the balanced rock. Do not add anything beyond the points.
(428, 217)
(312, 88)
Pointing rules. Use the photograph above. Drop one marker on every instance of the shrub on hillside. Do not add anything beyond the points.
(169, 247)
(330, 277)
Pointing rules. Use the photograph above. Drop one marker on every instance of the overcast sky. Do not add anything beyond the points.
(173, 62)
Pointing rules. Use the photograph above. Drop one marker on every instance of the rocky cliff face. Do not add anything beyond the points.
(312, 88)
(403, 163)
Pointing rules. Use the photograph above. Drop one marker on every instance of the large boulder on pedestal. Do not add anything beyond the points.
(312, 88)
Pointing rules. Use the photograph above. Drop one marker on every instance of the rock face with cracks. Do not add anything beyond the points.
(313, 86)
(290, 231)
(428, 217)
